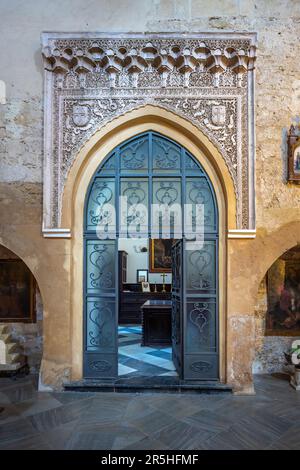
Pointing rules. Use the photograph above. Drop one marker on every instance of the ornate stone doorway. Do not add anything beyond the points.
(103, 89)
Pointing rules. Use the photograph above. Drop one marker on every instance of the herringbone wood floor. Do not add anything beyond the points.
(75, 420)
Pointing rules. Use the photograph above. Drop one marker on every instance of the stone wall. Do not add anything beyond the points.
(277, 23)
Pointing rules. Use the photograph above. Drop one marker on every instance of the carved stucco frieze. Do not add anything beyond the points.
(91, 79)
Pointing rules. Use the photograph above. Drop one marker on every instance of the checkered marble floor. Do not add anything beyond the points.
(136, 360)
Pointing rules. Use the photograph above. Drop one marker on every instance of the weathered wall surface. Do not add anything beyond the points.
(277, 23)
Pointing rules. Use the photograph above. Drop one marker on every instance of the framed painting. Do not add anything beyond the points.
(296, 160)
(142, 275)
(294, 154)
(160, 255)
(283, 288)
(16, 292)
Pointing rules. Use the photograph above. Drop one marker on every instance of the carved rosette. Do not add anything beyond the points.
(92, 79)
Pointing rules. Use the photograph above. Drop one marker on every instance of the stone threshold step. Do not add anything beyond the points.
(141, 386)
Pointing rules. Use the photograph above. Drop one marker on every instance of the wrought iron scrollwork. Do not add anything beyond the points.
(166, 193)
(110, 163)
(100, 258)
(166, 155)
(200, 193)
(177, 269)
(201, 277)
(190, 163)
(201, 366)
(133, 156)
(100, 366)
(100, 315)
(137, 204)
(101, 195)
(199, 316)
(134, 192)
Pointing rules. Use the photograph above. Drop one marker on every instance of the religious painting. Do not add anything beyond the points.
(297, 160)
(293, 141)
(161, 255)
(16, 292)
(283, 284)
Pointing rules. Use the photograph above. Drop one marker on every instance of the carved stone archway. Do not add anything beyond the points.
(91, 78)
(101, 89)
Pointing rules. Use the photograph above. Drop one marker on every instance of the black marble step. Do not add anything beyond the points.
(146, 384)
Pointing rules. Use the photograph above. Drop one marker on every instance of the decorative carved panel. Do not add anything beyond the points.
(91, 78)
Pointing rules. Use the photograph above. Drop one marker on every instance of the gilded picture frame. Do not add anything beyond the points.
(293, 141)
(160, 255)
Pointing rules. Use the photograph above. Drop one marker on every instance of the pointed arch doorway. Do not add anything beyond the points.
(151, 169)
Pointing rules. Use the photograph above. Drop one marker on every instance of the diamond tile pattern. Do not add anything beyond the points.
(136, 360)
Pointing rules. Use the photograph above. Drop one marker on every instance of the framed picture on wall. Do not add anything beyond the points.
(142, 275)
(283, 288)
(296, 160)
(16, 292)
(160, 255)
(294, 154)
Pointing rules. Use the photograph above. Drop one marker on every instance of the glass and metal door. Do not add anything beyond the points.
(100, 314)
(148, 170)
(200, 311)
(177, 307)
(194, 310)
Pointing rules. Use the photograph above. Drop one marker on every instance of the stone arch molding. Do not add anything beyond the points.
(92, 78)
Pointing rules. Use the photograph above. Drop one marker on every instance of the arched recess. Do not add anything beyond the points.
(29, 261)
(25, 331)
(168, 124)
(269, 344)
